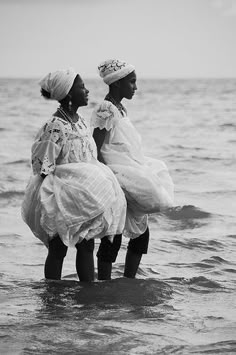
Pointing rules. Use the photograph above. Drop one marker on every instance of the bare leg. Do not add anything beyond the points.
(54, 261)
(132, 262)
(53, 267)
(106, 255)
(104, 270)
(136, 248)
(85, 261)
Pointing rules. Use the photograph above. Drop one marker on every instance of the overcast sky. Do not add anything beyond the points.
(161, 38)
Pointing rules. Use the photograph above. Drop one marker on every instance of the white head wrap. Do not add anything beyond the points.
(114, 69)
(58, 83)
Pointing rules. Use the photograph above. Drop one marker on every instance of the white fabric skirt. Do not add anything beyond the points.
(78, 201)
(148, 187)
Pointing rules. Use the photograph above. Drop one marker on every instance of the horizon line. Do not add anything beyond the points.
(139, 78)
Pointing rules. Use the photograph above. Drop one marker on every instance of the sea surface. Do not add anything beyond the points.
(183, 300)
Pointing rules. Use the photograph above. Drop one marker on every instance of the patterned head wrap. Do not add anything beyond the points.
(58, 83)
(113, 69)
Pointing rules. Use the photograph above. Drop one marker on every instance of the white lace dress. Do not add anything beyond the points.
(79, 197)
(146, 182)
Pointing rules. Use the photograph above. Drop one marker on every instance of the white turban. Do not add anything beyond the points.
(58, 83)
(113, 69)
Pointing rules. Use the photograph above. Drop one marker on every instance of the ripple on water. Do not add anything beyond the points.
(196, 243)
(232, 271)
(11, 194)
(215, 260)
(19, 162)
(201, 284)
(221, 347)
(197, 283)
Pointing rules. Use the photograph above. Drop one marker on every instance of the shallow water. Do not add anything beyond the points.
(183, 300)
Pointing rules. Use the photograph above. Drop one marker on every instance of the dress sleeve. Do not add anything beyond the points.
(104, 116)
(48, 146)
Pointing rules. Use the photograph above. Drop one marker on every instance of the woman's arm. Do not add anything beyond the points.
(47, 148)
(99, 137)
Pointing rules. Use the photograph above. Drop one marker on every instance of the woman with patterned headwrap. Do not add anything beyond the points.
(71, 197)
(145, 181)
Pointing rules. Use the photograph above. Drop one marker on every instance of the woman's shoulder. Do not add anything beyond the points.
(56, 122)
(55, 126)
(106, 109)
(105, 116)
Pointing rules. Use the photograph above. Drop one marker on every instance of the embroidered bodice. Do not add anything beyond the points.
(59, 142)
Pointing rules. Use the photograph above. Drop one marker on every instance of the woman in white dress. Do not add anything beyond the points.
(146, 182)
(71, 197)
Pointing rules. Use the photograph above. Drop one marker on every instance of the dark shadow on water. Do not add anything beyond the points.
(61, 298)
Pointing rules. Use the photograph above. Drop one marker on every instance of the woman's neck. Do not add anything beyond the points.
(118, 104)
(68, 114)
(115, 94)
(71, 112)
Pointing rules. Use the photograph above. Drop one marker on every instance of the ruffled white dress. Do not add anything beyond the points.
(79, 198)
(145, 181)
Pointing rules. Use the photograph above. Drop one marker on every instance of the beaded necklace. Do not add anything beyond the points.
(118, 105)
(69, 119)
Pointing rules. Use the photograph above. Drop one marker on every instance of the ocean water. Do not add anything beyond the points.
(183, 300)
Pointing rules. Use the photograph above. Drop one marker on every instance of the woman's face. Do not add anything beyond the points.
(128, 86)
(79, 93)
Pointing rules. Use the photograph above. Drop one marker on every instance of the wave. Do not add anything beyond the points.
(204, 266)
(220, 192)
(233, 271)
(179, 146)
(216, 260)
(221, 347)
(20, 161)
(233, 236)
(211, 263)
(181, 218)
(190, 158)
(196, 284)
(186, 212)
(11, 194)
(10, 236)
(9, 240)
(228, 125)
(201, 284)
(198, 157)
(196, 243)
